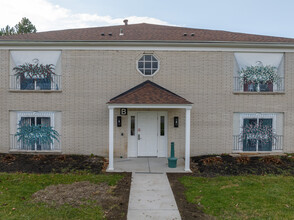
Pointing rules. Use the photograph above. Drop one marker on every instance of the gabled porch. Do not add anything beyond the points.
(148, 124)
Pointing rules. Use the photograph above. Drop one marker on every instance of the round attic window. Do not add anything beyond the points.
(148, 65)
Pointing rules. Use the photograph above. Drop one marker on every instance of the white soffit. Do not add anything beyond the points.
(43, 57)
(252, 59)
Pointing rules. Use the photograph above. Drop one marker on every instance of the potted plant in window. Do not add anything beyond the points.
(252, 77)
(36, 137)
(35, 75)
(263, 134)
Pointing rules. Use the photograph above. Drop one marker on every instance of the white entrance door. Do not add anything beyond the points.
(147, 134)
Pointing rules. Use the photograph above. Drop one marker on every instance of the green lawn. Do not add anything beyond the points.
(243, 197)
(16, 190)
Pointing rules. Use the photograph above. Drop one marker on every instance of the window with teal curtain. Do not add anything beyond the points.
(249, 143)
(265, 146)
(35, 121)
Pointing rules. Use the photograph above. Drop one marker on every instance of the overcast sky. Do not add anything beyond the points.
(268, 17)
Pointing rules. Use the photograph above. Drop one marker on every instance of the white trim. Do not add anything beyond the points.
(167, 106)
(181, 49)
(35, 151)
(165, 136)
(150, 45)
(259, 152)
(258, 115)
(187, 140)
(132, 150)
(111, 115)
(144, 54)
(36, 114)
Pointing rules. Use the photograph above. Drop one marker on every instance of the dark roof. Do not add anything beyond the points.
(144, 32)
(148, 93)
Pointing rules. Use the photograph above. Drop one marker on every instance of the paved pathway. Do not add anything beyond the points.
(151, 197)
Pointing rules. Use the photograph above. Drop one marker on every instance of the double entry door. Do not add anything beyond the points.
(147, 135)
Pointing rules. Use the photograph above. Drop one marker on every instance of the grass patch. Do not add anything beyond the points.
(243, 197)
(16, 190)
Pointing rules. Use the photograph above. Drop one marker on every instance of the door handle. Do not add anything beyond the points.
(139, 138)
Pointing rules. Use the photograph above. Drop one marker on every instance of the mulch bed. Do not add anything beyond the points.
(40, 163)
(225, 165)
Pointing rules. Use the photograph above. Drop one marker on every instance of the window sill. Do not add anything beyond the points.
(257, 152)
(259, 93)
(34, 91)
(35, 151)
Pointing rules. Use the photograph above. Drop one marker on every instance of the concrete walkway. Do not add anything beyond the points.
(151, 197)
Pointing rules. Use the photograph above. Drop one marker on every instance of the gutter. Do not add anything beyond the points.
(150, 46)
(228, 44)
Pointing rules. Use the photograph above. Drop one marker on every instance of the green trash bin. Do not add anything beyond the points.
(172, 160)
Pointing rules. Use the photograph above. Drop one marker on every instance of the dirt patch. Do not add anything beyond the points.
(29, 163)
(75, 194)
(224, 165)
(187, 210)
(113, 199)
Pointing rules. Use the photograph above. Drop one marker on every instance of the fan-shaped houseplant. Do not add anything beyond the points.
(35, 71)
(36, 134)
(259, 75)
(34, 75)
(259, 132)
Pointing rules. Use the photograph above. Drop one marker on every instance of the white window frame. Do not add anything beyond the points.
(280, 66)
(16, 84)
(158, 64)
(36, 114)
(258, 116)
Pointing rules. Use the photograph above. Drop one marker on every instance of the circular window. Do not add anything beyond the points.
(148, 65)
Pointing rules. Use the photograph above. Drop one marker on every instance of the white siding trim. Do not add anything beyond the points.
(248, 48)
(36, 114)
(111, 131)
(187, 140)
(258, 115)
(111, 106)
(151, 45)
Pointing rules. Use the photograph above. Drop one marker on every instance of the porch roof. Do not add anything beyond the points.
(149, 93)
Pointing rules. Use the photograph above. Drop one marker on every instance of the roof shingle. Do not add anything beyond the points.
(144, 32)
(148, 93)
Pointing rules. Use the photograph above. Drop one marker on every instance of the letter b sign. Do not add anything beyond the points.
(123, 111)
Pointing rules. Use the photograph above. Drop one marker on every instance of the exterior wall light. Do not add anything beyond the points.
(176, 122)
(118, 121)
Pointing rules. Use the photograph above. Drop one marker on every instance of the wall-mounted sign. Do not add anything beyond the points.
(123, 111)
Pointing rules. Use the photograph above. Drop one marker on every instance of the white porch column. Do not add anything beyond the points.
(187, 140)
(110, 165)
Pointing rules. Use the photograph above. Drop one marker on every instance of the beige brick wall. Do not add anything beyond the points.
(91, 78)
